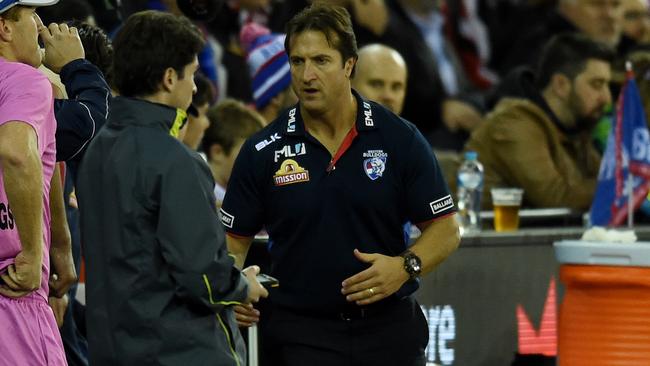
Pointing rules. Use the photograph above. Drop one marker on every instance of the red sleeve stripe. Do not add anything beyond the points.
(238, 236)
(425, 223)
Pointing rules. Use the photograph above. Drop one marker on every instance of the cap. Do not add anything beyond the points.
(8, 4)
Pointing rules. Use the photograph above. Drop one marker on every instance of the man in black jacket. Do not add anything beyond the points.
(160, 282)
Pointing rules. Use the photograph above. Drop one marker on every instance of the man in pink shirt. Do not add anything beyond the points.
(27, 160)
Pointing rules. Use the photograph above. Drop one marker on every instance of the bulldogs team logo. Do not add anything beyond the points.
(290, 172)
(375, 164)
(374, 167)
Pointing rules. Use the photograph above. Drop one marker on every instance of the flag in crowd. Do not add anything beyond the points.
(624, 176)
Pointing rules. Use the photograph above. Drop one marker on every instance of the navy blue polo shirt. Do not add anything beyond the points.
(317, 208)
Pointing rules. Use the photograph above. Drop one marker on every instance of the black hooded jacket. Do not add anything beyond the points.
(159, 279)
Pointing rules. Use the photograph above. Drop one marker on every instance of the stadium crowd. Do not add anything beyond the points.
(124, 125)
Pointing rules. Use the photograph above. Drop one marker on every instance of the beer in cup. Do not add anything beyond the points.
(506, 202)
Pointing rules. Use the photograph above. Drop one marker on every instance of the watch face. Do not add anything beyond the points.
(414, 264)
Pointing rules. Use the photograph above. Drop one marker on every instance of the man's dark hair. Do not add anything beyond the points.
(65, 11)
(97, 47)
(149, 43)
(230, 120)
(568, 54)
(333, 21)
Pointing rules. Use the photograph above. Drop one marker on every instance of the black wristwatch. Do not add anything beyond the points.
(412, 264)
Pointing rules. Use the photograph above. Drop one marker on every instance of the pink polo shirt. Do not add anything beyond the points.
(26, 96)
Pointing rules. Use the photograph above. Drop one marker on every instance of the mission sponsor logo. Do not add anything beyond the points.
(227, 219)
(289, 173)
(442, 204)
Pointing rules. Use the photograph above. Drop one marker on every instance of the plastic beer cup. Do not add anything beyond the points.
(506, 203)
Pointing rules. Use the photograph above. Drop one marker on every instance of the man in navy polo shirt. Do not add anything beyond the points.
(333, 180)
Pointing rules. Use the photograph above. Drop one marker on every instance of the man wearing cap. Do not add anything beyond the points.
(333, 180)
(27, 158)
(268, 65)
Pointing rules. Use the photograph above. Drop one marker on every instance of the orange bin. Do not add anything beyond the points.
(604, 316)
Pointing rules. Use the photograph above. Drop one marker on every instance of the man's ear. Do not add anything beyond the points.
(216, 153)
(170, 77)
(6, 30)
(561, 85)
(349, 66)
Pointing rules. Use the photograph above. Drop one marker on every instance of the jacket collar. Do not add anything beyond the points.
(568, 131)
(295, 125)
(138, 112)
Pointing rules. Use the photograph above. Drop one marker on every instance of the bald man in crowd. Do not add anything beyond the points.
(381, 76)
